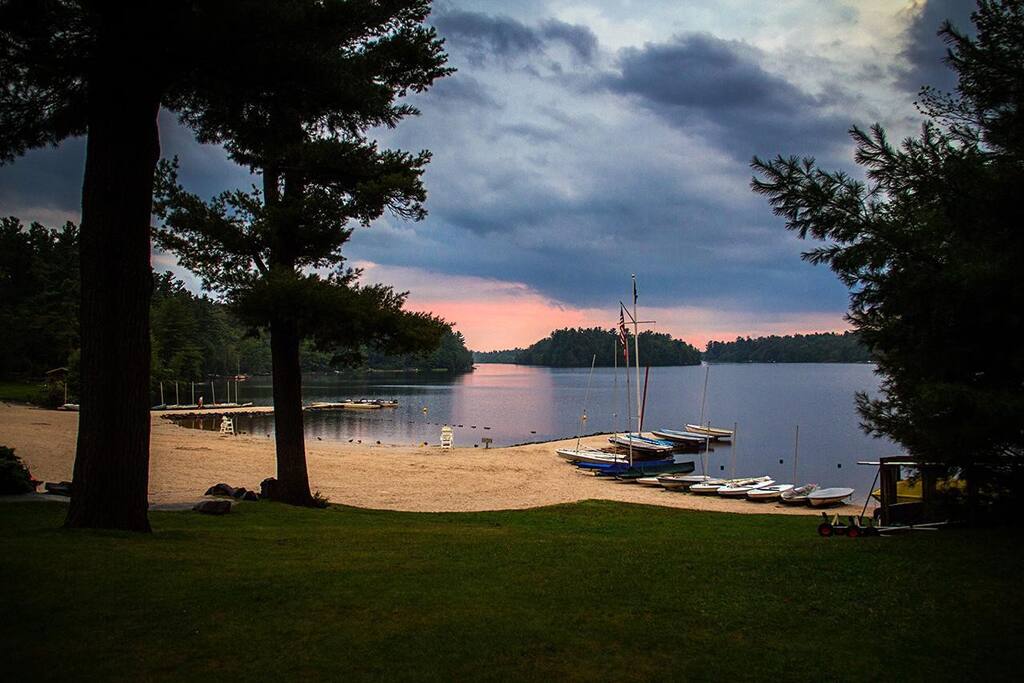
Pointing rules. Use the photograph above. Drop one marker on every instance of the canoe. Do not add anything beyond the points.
(642, 443)
(832, 496)
(713, 432)
(765, 493)
(740, 489)
(798, 495)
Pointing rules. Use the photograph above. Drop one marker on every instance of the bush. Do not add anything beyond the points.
(14, 476)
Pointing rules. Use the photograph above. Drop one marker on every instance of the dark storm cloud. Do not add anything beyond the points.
(924, 49)
(461, 89)
(45, 184)
(718, 88)
(481, 35)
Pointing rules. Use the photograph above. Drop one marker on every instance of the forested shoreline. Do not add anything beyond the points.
(575, 348)
(821, 347)
(194, 337)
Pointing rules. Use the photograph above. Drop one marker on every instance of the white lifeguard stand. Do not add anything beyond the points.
(447, 437)
(227, 426)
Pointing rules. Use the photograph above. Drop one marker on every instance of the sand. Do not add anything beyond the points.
(185, 462)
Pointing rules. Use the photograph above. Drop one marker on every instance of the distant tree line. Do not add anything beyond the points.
(502, 356)
(822, 347)
(576, 347)
(193, 337)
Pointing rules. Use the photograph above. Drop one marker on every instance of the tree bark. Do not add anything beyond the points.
(111, 471)
(290, 439)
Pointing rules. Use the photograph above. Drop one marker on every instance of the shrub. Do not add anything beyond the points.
(14, 476)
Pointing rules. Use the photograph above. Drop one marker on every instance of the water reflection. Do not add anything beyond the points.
(520, 404)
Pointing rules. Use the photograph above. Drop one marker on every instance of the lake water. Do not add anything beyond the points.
(515, 404)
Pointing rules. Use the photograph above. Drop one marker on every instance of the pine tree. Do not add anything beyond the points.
(264, 249)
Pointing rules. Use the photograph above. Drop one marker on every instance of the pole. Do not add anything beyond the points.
(636, 352)
(735, 441)
(193, 393)
(629, 413)
(615, 382)
(704, 394)
(177, 399)
(162, 402)
(586, 397)
(213, 394)
(796, 453)
(643, 408)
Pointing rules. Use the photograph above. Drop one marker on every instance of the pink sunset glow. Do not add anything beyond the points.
(493, 314)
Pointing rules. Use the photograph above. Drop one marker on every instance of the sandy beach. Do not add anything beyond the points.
(185, 462)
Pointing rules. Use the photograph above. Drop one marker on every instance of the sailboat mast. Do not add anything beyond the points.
(636, 352)
(735, 441)
(629, 411)
(796, 453)
(586, 397)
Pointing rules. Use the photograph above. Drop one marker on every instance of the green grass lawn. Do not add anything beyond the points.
(21, 392)
(595, 590)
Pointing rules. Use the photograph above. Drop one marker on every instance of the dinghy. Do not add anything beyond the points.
(581, 454)
(639, 442)
(832, 496)
(740, 489)
(647, 481)
(710, 432)
(689, 438)
(678, 482)
(772, 492)
(709, 487)
(798, 495)
(641, 469)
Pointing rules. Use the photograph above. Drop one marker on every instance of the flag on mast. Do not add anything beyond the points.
(623, 335)
(634, 290)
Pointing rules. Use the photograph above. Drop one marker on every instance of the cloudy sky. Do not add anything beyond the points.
(581, 141)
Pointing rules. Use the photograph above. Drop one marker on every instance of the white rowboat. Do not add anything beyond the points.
(768, 492)
(798, 495)
(740, 489)
(833, 496)
(712, 432)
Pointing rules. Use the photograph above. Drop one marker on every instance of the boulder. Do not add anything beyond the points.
(250, 495)
(239, 492)
(269, 489)
(220, 490)
(213, 507)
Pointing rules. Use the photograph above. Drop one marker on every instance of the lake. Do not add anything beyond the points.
(515, 404)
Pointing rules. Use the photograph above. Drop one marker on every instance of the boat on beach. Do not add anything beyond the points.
(830, 496)
(689, 438)
(798, 495)
(591, 455)
(741, 488)
(640, 469)
(681, 482)
(643, 443)
(766, 493)
(713, 433)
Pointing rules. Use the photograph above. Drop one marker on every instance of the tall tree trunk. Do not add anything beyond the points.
(111, 470)
(292, 477)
